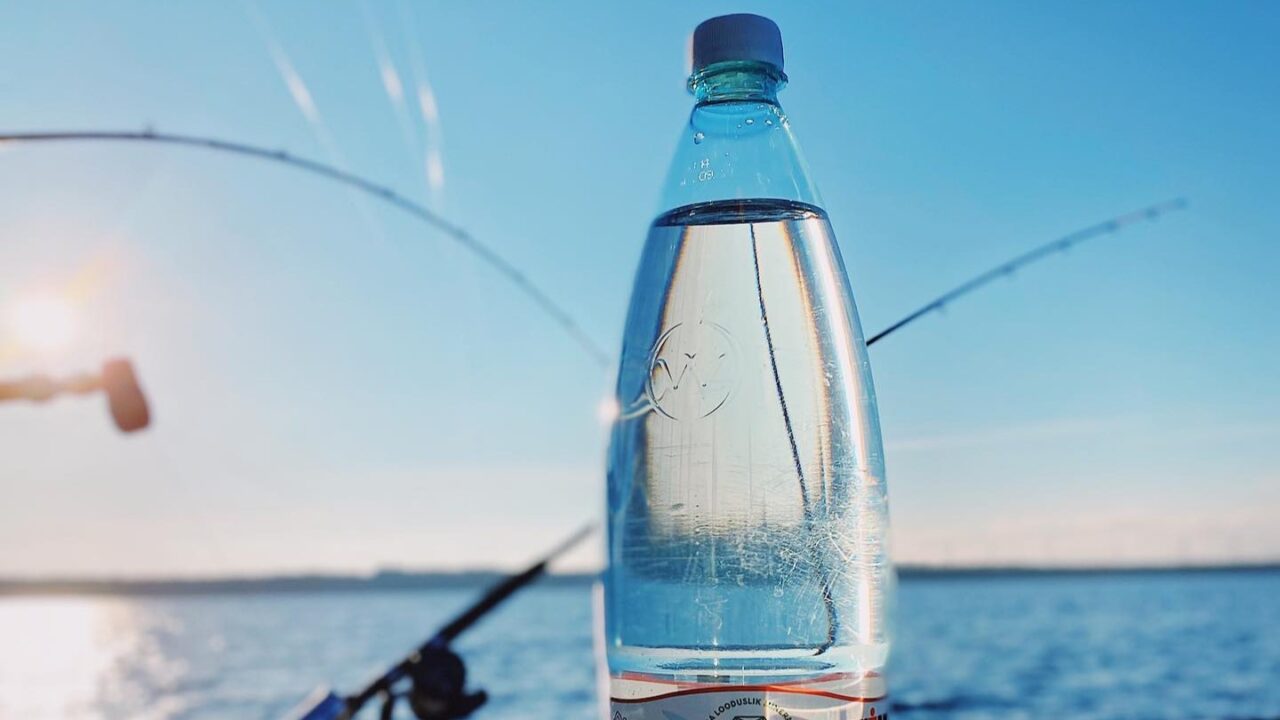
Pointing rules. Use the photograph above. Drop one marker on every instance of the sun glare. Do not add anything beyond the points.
(45, 322)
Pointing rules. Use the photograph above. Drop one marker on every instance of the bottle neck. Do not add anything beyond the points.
(738, 143)
(737, 81)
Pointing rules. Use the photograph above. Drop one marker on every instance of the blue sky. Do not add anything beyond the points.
(338, 387)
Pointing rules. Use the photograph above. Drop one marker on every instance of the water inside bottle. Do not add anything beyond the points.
(746, 482)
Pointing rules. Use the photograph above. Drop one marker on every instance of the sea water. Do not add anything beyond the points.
(1039, 646)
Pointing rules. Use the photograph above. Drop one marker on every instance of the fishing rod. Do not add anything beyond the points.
(554, 310)
(437, 675)
(117, 380)
(558, 313)
(1062, 244)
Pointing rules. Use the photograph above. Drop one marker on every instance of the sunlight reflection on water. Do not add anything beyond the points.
(81, 657)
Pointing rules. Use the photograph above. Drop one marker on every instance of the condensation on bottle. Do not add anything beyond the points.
(748, 571)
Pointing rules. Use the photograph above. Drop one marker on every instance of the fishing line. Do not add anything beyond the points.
(304, 100)
(424, 97)
(390, 77)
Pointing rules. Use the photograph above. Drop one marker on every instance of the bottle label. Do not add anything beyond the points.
(838, 698)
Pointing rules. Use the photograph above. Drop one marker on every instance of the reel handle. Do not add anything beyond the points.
(124, 396)
(125, 399)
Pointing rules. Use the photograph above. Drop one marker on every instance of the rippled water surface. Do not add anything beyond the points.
(1106, 646)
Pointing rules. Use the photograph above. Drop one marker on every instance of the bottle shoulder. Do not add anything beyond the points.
(737, 151)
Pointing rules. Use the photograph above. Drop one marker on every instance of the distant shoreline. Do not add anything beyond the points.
(476, 579)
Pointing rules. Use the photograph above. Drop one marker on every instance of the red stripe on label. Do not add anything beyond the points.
(750, 688)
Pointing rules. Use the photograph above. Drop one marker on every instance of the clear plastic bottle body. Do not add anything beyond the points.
(746, 499)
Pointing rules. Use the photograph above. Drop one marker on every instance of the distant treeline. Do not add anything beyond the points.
(476, 579)
(387, 580)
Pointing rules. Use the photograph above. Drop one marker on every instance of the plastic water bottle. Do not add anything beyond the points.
(748, 576)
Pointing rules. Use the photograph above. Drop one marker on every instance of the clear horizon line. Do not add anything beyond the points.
(390, 575)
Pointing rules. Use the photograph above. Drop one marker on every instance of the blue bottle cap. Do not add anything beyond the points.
(737, 37)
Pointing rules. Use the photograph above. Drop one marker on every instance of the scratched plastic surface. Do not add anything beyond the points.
(746, 485)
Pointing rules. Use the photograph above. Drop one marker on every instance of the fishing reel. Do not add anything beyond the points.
(437, 682)
(437, 688)
(436, 676)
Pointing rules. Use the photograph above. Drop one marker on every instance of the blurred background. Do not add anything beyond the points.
(338, 388)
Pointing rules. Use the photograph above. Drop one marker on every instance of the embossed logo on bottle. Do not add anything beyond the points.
(692, 370)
